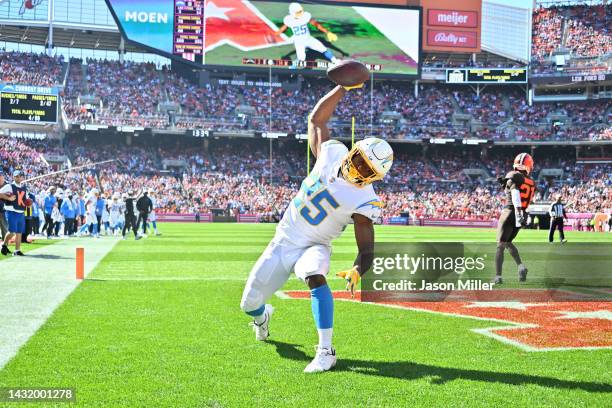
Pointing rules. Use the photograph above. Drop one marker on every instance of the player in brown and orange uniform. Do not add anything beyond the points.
(519, 190)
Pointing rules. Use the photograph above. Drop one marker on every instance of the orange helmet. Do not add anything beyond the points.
(524, 162)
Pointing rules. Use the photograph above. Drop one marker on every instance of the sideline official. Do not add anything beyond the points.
(557, 216)
(144, 205)
(130, 215)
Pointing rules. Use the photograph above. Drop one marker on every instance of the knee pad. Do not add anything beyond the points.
(252, 299)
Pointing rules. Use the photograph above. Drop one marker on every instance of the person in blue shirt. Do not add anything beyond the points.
(81, 209)
(35, 216)
(48, 203)
(99, 209)
(68, 210)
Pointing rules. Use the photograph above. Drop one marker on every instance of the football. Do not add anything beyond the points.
(28, 202)
(348, 73)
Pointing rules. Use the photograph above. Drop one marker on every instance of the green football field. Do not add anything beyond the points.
(157, 324)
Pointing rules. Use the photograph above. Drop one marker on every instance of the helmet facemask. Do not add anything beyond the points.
(355, 161)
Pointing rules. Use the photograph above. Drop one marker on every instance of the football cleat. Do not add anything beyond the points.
(18, 253)
(522, 271)
(262, 330)
(498, 280)
(324, 360)
(563, 241)
(5, 251)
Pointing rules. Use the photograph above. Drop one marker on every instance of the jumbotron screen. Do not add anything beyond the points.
(272, 33)
(28, 103)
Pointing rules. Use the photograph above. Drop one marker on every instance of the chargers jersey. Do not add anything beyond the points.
(323, 207)
(153, 204)
(299, 26)
(90, 204)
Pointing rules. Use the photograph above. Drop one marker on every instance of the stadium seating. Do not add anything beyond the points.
(30, 69)
(581, 29)
(236, 178)
(399, 114)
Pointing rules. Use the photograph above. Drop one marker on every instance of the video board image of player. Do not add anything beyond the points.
(268, 32)
(299, 21)
(298, 35)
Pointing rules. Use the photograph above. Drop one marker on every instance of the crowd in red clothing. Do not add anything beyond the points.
(587, 30)
(236, 178)
(30, 69)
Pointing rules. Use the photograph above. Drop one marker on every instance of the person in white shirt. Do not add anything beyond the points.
(91, 220)
(152, 215)
(337, 191)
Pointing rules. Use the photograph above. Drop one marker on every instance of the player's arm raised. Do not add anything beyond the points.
(318, 131)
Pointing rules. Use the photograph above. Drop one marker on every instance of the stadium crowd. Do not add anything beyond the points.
(30, 69)
(399, 112)
(587, 30)
(131, 94)
(236, 178)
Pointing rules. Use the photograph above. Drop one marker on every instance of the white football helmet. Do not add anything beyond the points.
(295, 8)
(377, 155)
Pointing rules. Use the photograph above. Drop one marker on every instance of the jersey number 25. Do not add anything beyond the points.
(313, 191)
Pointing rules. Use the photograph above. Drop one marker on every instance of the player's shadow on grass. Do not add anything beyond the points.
(47, 256)
(408, 370)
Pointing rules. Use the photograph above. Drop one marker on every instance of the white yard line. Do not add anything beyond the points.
(32, 287)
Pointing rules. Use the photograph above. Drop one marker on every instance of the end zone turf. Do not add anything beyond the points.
(160, 325)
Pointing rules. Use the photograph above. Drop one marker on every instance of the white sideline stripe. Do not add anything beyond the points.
(281, 295)
(144, 278)
(32, 287)
(128, 278)
(487, 331)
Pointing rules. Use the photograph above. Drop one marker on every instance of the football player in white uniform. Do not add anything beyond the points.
(298, 20)
(338, 190)
(152, 216)
(91, 220)
(105, 220)
(117, 207)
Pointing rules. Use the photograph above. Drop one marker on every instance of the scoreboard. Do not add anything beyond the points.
(189, 30)
(29, 104)
(486, 76)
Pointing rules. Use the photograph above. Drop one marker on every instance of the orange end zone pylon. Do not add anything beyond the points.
(80, 263)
